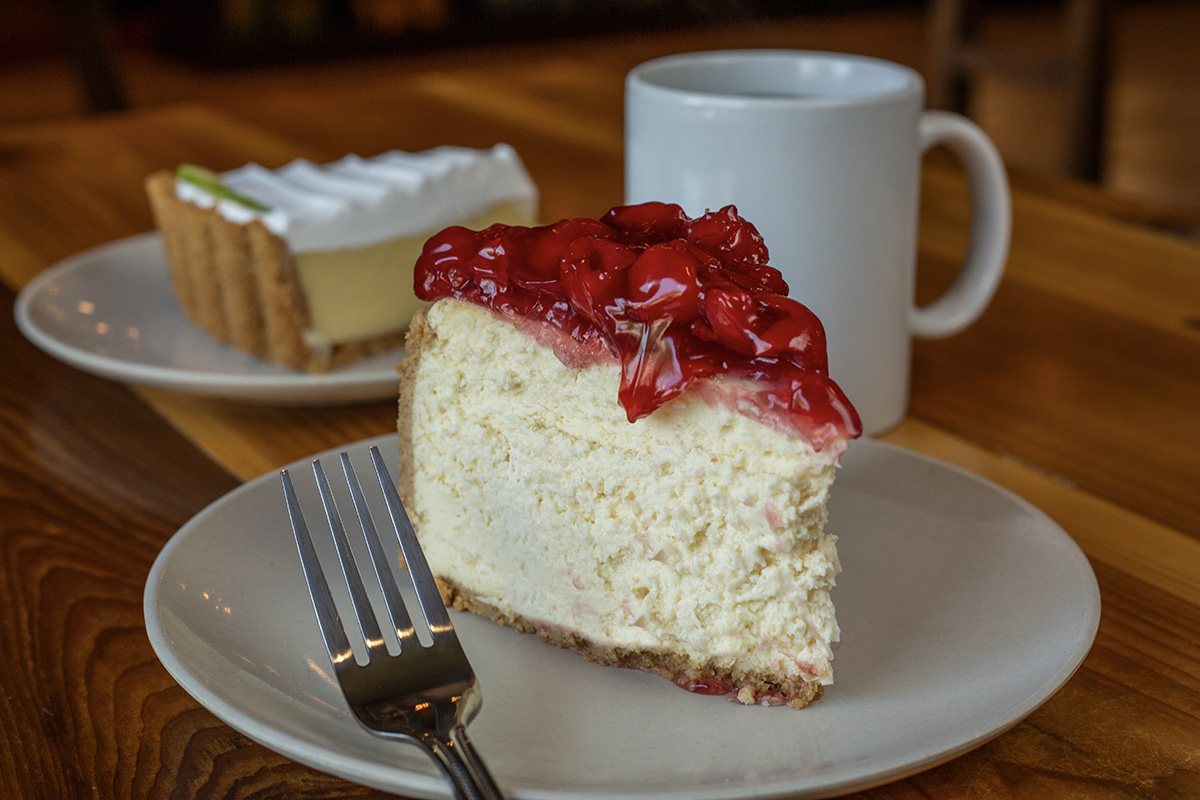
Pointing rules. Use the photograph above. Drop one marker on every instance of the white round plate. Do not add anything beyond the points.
(111, 311)
(962, 608)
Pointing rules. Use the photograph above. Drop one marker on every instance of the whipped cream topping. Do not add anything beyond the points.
(358, 201)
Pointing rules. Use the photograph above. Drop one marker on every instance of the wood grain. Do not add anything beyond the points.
(1108, 533)
(1077, 390)
(70, 186)
(86, 709)
(1056, 373)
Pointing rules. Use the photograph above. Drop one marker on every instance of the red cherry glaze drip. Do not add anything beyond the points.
(676, 300)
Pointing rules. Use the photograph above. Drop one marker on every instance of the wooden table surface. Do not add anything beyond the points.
(1079, 389)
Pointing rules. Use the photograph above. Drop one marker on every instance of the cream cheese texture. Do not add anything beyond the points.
(694, 530)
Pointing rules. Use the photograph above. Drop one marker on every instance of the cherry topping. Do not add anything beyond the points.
(592, 273)
(649, 222)
(663, 282)
(676, 300)
(725, 232)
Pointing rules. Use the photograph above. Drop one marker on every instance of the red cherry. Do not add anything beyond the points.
(440, 269)
(663, 283)
(795, 332)
(649, 222)
(733, 315)
(551, 240)
(592, 272)
(493, 261)
(724, 232)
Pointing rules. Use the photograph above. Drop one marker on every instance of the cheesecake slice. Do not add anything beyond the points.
(311, 266)
(619, 435)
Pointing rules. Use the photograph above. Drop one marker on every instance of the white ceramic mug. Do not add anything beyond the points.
(822, 151)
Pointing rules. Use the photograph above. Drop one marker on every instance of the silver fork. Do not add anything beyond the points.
(424, 694)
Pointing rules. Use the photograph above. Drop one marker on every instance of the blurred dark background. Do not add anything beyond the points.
(230, 33)
(1107, 91)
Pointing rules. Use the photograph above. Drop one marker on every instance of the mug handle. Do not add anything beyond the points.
(991, 226)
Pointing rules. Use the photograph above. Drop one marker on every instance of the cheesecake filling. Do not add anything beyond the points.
(620, 434)
(695, 532)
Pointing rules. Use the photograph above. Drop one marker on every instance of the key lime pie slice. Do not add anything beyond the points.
(620, 434)
(310, 265)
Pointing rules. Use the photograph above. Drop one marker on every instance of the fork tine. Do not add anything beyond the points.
(363, 611)
(328, 619)
(430, 598)
(427, 696)
(397, 612)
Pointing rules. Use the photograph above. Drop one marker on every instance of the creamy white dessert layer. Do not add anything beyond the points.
(694, 530)
(356, 226)
(355, 201)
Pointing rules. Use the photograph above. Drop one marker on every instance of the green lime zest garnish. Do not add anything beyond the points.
(210, 182)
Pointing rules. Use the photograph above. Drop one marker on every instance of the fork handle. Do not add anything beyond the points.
(462, 764)
(475, 765)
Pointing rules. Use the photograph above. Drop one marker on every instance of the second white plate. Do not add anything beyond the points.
(111, 311)
(962, 608)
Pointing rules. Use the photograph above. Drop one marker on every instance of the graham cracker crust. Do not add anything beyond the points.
(420, 335)
(679, 668)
